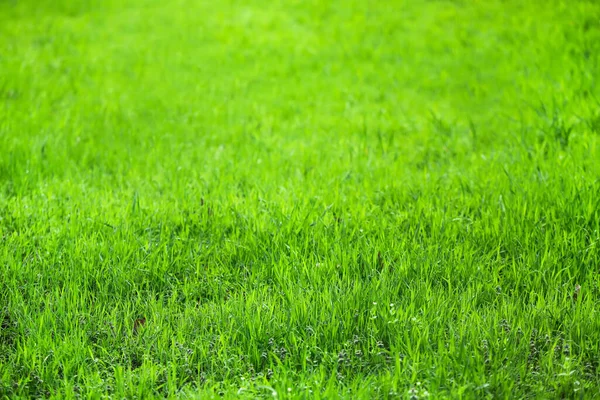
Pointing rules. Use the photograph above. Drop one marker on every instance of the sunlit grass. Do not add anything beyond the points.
(389, 199)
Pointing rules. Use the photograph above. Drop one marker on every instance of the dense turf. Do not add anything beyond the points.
(300, 199)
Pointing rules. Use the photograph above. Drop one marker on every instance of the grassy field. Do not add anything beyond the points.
(299, 199)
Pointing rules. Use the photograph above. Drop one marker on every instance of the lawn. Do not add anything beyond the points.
(299, 199)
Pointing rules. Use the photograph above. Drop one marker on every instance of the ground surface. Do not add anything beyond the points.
(300, 199)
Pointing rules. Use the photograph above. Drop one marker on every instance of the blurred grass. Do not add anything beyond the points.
(339, 198)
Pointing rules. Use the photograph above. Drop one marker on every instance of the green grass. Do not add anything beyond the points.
(304, 199)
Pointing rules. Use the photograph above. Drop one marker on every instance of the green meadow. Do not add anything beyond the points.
(391, 199)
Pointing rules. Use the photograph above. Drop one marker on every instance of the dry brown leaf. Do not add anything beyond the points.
(140, 322)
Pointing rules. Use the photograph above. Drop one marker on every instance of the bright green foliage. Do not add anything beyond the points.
(307, 199)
